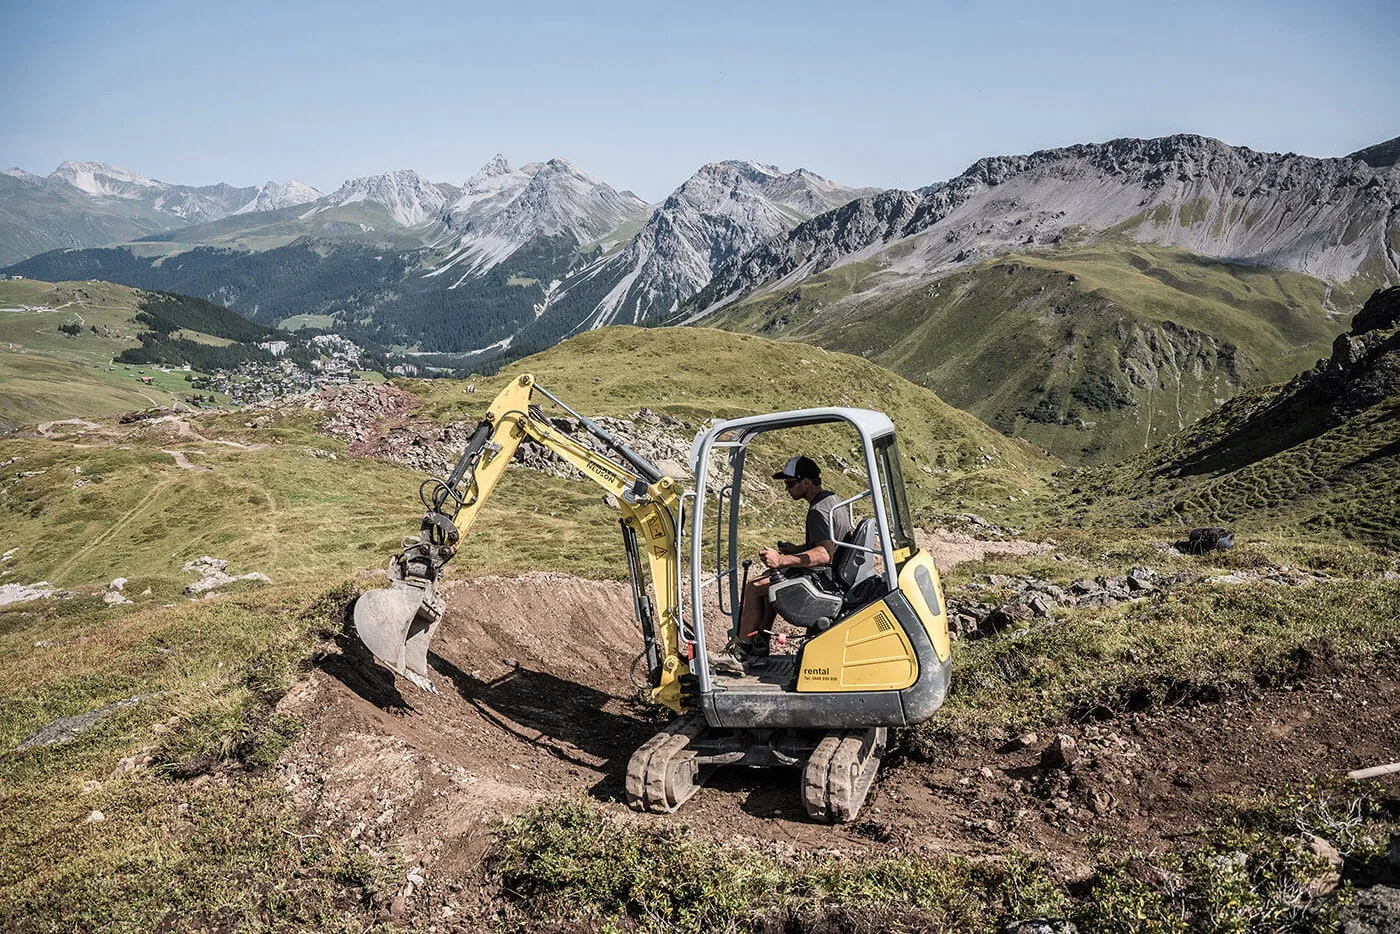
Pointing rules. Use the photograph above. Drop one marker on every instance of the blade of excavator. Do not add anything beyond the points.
(397, 623)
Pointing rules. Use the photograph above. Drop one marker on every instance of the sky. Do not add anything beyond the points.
(865, 92)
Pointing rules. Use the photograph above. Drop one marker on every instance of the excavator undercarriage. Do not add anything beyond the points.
(838, 768)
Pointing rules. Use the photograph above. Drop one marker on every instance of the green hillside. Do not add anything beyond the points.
(953, 461)
(1091, 351)
(364, 222)
(251, 496)
(48, 373)
(1321, 452)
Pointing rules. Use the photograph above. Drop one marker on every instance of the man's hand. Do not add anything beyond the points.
(769, 556)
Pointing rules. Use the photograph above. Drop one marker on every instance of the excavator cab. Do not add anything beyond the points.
(876, 651)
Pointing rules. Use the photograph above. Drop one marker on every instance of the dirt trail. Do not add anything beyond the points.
(536, 701)
(953, 548)
(182, 460)
(46, 429)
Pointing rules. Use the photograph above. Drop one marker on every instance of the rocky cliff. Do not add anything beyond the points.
(1333, 219)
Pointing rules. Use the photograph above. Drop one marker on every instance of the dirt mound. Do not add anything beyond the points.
(535, 700)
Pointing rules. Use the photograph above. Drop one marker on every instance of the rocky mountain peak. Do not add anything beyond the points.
(101, 179)
(272, 196)
(494, 186)
(560, 198)
(22, 175)
(497, 165)
(1380, 156)
(407, 195)
(716, 215)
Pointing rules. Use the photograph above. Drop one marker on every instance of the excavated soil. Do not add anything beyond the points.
(535, 701)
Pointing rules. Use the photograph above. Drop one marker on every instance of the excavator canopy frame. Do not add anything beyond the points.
(732, 437)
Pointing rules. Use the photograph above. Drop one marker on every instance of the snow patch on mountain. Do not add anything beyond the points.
(22, 175)
(273, 196)
(98, 178)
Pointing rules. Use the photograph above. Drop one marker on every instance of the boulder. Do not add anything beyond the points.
(1374, 911)
(1008, 616)
(1062, 753)
(1041, 926)
(1330, 877)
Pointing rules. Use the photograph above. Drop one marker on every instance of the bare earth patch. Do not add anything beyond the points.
(536, 702)
(953, 548)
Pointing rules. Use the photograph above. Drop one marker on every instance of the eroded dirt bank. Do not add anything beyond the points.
(536, 701)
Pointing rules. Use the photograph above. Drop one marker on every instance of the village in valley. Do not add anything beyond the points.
(334, 361)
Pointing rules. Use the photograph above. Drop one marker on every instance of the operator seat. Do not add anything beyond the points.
(814, 598)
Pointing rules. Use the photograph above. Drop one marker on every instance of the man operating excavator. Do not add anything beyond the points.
(826, 525)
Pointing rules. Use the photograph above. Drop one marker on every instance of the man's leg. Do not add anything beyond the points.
(757, 614)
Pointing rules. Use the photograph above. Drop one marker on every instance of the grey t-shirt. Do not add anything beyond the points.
(827, 523)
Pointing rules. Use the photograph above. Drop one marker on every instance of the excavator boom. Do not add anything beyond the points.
(397, 623)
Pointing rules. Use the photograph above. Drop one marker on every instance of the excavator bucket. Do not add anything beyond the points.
(397, 623)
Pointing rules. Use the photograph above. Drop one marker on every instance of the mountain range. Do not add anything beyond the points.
(1092, 299)
(83, 204)
(1131, 285)
(516, 256)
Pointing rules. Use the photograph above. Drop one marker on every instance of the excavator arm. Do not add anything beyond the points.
(398, 623)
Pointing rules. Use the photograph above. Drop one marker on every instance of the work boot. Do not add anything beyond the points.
(726, 665)
(753, 653)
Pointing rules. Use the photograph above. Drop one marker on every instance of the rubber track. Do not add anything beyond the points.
(661, 775)
(840, 773)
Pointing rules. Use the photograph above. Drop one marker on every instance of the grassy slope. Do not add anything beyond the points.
(270, 229)
(1068, 348)
(952, 461)
(1277, 456)
(203, 668)
(46, 374)
(227, 853)
(280, 508)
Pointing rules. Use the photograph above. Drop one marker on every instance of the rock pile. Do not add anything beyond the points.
(115, 594)
(376, 421)
(145, 415)
(1002, 602)
(1077, 775)
(213, 572)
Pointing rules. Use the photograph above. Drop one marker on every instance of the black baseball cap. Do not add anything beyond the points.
(798, 468)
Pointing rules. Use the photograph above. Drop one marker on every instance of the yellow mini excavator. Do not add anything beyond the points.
(875, 653)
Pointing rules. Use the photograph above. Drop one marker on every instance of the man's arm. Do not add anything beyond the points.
(818, 555)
